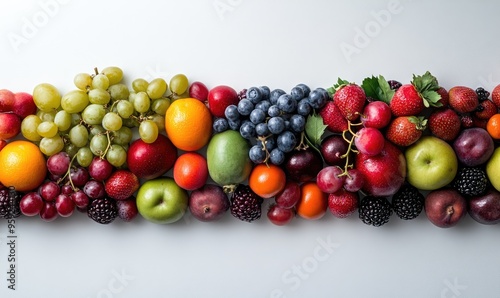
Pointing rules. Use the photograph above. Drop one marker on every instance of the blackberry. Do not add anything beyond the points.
(482, 94)
(375, 211)
(245, 204)
(394, 85)
(408, 202)
(471, 181)
(9, 203)
(103, 210)
(466, 121)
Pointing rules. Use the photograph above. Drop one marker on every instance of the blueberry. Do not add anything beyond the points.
(261, 129)
(234, 124)
(266, 92)
(275, 94)
(245, 107)
(220, 125)
(270, 143)
(297, 123)
(317, 99)
(273, 111)
(256, 154)
(286, 103)
(286, 141)
(303, 107)
(257, 116)
(263, 105)
(231, 112)
(277, 156)
(297, 93)
(276, 125)
(304, 88)
(247, 130)
(254, 94)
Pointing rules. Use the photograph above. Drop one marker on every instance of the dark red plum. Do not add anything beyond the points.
(208, 203)
(303, 165)
(485, 209)
(473, 146)
(445, 207)
(332, 149)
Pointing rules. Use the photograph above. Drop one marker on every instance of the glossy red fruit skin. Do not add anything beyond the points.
(406, 101)
(350, 99)
(219, 98)
(7, 99)
(289, 196)
(23, 105)
(10, 125)
(488, 109)
(31, 204)
(333, 118)
(376, 114)
(333, 147)
(127, 209)
(463, 99)
(445, 97)
(403, 132)
(495, 95)
(384, 173)
(149, 161)
(445, 124)
(121, 185)
(280, 216)
(343, 203)
(199, 91)
(304, 165)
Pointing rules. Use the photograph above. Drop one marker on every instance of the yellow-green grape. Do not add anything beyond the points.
(125, 108)
(139, 85)
(179, 84)
(96, 130)
(46, 116)
(100, 81)
(51, 146)
(98, 144)
(142, 102)
(123, 136)
(148, 131)
(112, 121)
(160, 121)
(130, 122)
(160, 106)
(63, 120)
(83, 81)
(131, 97)
(156, 88)
(114, 74)
(29, 126)
(84, 156)
(76, 119)
(118, 91)
(99, 96)
(93, 114)
(74, 101)
(46, 97)
(47, 129)
(116, 155)
(71, 149)
(79, 135)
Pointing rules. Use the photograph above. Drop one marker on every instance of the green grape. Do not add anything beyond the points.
(47, 129)
(156, 88)
(118, 91)
(139, 85)
(46, 116)
(179, 84)
(99, 96)
(79, 135)
(29, 126)
(130, 122)
(116, 155)
(51, 146)
(100, 81)
(98, 144)
(71, 149)
(63, 120)
(84, 156)
(160, 121)
(112, 121)
(82, 81)
(160, 106)
(74, 101)
(76, 119)
(96, 129)
(148, 131)
(131, 97)
(125, 108)
(46, 97)
(142, 102)
(93, 114)
(114, 74)
(123, 136)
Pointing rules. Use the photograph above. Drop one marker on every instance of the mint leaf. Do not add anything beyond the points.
(315, 129)
(370, 86)
(384, 92)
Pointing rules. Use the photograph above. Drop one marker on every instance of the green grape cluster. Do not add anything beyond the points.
(98, 118)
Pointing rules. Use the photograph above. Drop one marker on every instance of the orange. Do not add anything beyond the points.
(190, 171)
(313, 202)
(22, 166)
(493, 126)
(188, 123)
(267, 180)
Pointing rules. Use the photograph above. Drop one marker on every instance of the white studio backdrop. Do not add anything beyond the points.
(242, 44)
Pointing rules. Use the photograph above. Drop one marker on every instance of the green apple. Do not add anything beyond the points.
(493, 169)
(431, 163)
(162, 201)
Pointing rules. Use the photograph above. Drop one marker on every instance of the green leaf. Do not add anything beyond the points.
(384, 92)
(315, 129)
(340, 83)
(331, 91)
(370, 86)
(431, 98)
(425, 82)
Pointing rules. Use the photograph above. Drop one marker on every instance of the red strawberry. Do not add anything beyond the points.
(445, 124)
(350, 99)
(463, 99)
(495, 95)
(333, 118)
(479, 122)
(121, 184)
(485, 110)
(405, 130)
(445, 97)
(343, 203)
(411, 99)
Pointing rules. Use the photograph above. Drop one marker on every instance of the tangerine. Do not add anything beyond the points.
(22, 166)
(313, 202)
(493, 126)
(267, 180)
(190, 171)
(188, 124)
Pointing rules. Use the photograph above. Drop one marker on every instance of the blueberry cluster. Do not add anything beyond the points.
(272, 121)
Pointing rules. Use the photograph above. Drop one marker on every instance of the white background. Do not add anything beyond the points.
(242, 44)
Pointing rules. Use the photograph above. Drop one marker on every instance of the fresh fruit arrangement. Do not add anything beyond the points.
(381, 148)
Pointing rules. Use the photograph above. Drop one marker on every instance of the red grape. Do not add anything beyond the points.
(280, 216)
(31, 204)
(330, 179)
(58, 163)
(369, 141)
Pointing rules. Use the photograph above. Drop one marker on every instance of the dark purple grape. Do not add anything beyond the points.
(303, 165)
(79, 176)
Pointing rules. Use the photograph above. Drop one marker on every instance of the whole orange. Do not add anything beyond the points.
(190, 171)
(267, 180)
(188, 124)
(313, 202)
(22, 166)
(493, 126)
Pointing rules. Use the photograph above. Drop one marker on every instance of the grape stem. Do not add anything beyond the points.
(68, 174)
(350, 149)
(302, 145)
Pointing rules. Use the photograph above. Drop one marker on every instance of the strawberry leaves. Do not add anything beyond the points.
(378, 88)
(340, 83)
(427, 85)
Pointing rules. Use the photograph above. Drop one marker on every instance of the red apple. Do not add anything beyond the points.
(7, 100)
(219, 98)
(152, 160)
(23, 105)
(384, 173)
(10, 125)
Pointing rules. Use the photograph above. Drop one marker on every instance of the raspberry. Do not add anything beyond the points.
(245, 204)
